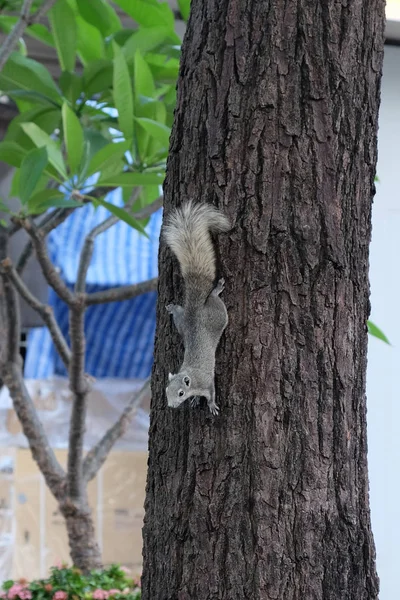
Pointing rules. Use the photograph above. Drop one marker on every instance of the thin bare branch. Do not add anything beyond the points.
(19, 28)
(42, 453)
(44, 310)
(150, 209)
(50, 222)
(80, 387)
(48, 269)
(12, 322)
(96, 457)
(118, 294)
(87, 251)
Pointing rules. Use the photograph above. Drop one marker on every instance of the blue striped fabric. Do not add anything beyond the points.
(119, 336)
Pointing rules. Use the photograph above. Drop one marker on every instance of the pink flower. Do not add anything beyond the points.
(15, 590)
(125, 570)
(60, 595)
(100, 594)
(25, 595)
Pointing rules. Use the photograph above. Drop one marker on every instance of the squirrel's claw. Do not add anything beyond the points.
(194, 401)
(214, 409)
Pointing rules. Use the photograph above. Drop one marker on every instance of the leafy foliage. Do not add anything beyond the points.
(69, 583)
(110, 118)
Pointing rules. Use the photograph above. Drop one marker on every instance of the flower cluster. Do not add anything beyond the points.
(70, 584)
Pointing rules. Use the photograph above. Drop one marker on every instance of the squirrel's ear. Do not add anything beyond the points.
(170, 376)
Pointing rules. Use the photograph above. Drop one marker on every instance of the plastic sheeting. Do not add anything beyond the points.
(32, 531)
(53, 401)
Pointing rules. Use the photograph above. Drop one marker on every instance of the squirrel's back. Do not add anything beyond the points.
(187, 233)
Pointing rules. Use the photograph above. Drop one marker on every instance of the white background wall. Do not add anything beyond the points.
(383, 361)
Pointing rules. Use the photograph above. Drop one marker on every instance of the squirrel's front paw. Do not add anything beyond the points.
(194, 401)
(214, 409)
(169, 307)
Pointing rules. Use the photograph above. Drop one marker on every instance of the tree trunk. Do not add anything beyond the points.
(276, 123)
(85, 552)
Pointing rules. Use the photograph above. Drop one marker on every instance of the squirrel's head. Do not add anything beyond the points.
(179, 389)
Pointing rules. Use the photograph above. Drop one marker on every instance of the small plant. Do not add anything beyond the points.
(68, 583)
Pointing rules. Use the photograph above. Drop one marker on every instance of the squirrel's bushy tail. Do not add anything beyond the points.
(187, 233)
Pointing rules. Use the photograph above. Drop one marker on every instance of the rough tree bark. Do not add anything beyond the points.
(276, 123)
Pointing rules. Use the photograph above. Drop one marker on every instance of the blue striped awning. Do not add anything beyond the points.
(119, 336)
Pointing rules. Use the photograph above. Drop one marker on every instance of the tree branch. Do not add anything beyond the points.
(42, 453)
(98, 454)
(50, 273)
(47, 225)
(11, 374)
(79, 386)
(44, 310)
(87, 251)
(118, 294)
(19, 28)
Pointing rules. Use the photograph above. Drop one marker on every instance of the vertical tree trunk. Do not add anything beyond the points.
(276, 123)
(85, 552)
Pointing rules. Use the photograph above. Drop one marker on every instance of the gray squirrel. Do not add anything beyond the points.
(203, 317)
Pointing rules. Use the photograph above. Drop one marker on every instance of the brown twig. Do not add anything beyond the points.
(80, 387)
(44, 310)
(48, 269)
(23, 22)
(50, 222)
(118, 294)
(96, 457)
(87, 251)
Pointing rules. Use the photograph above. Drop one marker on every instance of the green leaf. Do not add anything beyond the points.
(41, 138)
(73, 137)
(55, 202)
(29, 98)
(184, 8)
(71, 86)
(11, 153)
(32, 168)
(145, 39)
(144, 82)
(43, 196)
(107, 156)
(376, 332)
(25, 74)
(4, 208)
(122, 214)
(97, 77)
(41, 33)
(63, 26)
(157, 130)
(14, 187)
(123, 96)
(90, 42)
(148, 13)
(163, 70)
(100, 14)
(133, 179)
(7, 22)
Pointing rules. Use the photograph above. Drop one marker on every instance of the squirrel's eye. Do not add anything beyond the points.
(186, 381)
(181, 393)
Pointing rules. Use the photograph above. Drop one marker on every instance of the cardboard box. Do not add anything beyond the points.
(116, 497)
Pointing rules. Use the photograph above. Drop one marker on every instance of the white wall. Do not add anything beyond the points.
(383, 377)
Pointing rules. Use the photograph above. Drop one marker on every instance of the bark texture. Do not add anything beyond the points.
(276, 124)
(85, 552)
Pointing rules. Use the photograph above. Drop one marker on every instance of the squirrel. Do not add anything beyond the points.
(203, 317)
